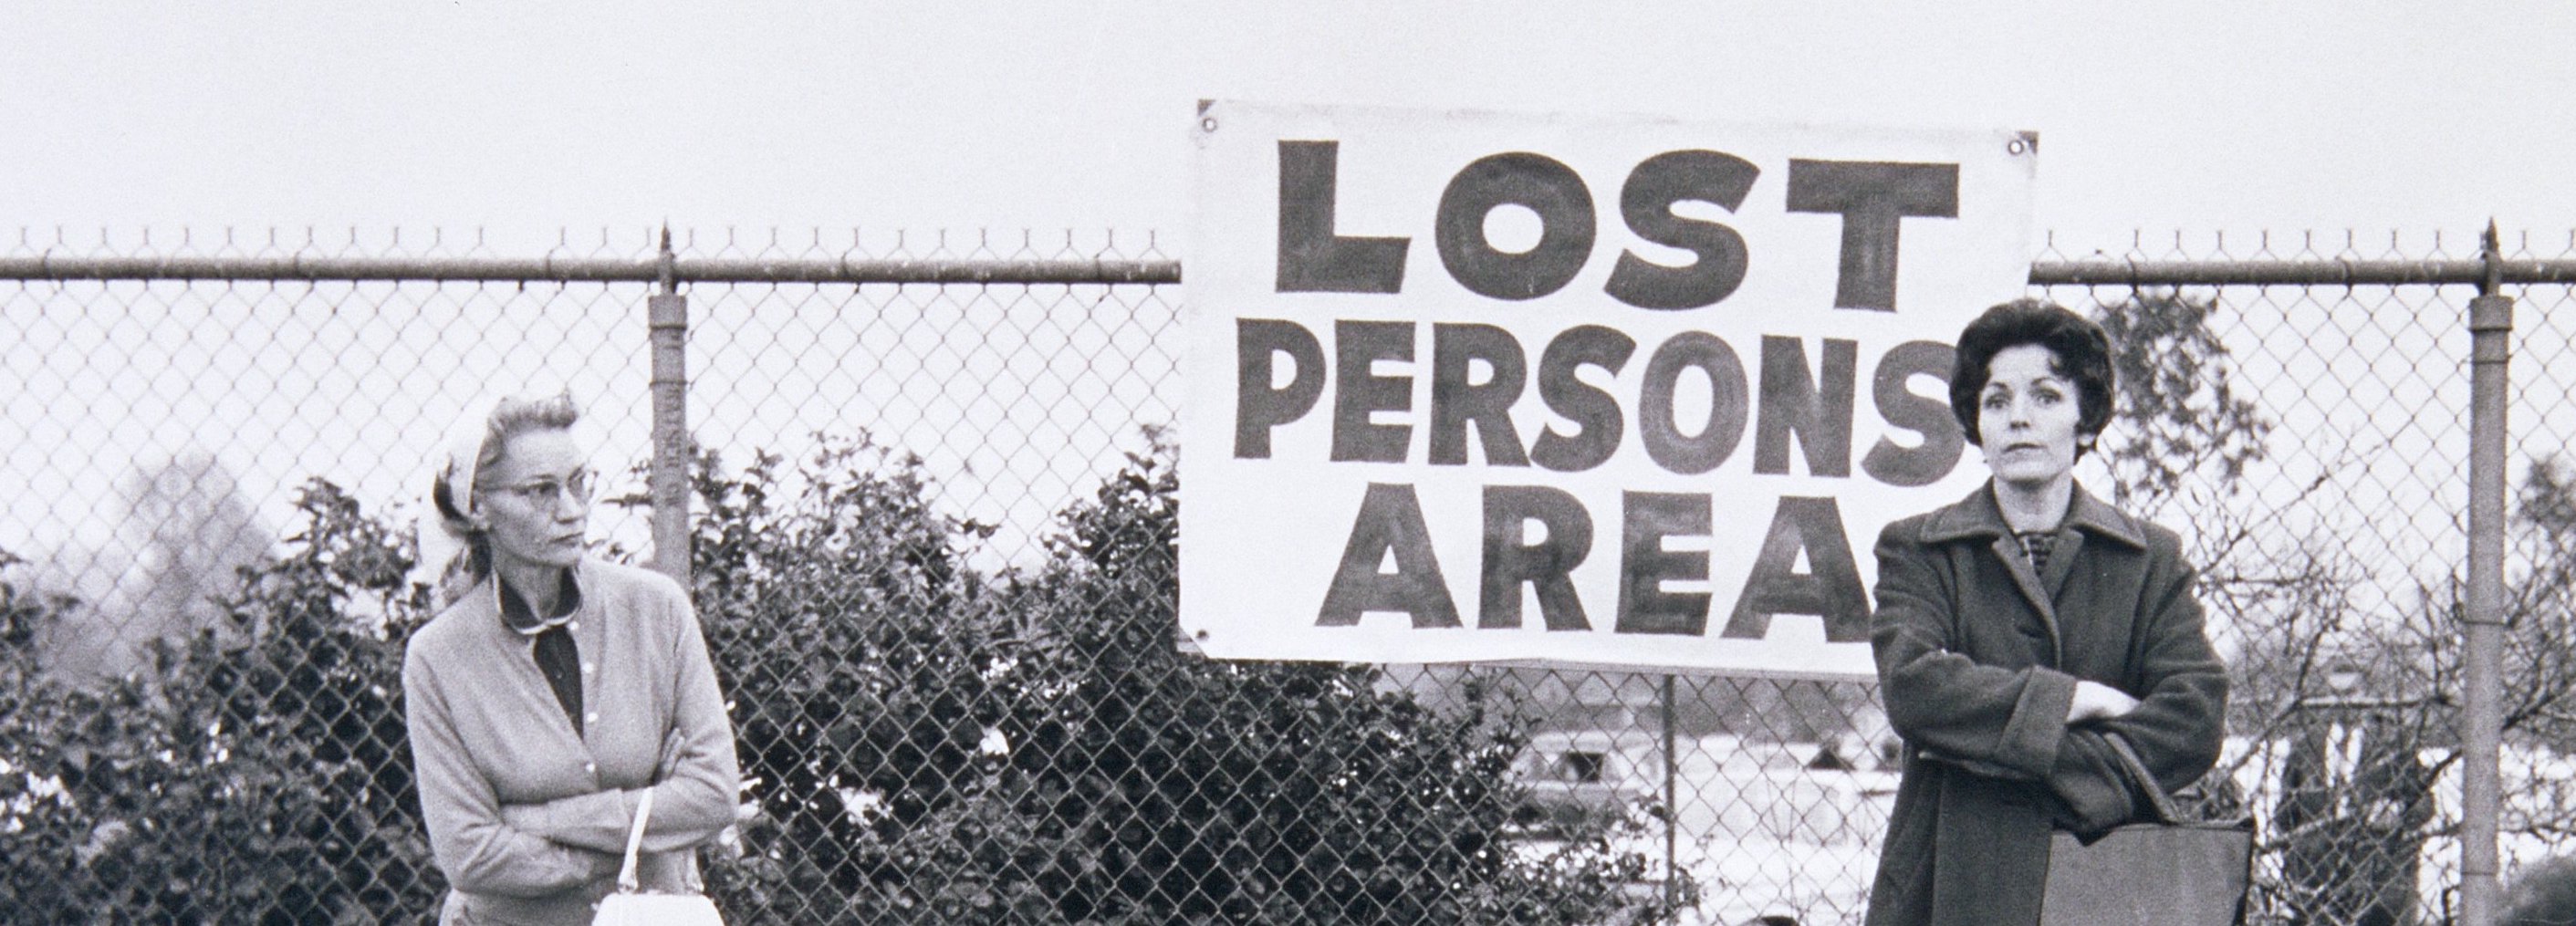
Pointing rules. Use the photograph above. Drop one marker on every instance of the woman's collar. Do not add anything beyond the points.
(517, 615)
(1979, 516)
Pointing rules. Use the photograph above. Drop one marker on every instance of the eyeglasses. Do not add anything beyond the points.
(549, 494)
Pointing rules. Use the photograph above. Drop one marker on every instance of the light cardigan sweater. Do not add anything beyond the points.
(527, 818)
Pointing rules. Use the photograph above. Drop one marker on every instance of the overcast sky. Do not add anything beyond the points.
(523, 118)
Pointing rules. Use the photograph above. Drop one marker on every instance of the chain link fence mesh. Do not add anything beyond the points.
(2332, 551)
(933, 544)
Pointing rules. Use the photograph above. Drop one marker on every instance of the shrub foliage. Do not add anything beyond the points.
(924, 740)
(936, 746)
(258, 783)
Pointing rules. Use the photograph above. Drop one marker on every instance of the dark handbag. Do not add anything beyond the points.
(2173, 871)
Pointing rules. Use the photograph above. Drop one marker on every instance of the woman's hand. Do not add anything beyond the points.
(2097, 701)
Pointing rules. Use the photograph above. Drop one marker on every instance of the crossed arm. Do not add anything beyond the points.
(697, 779)
(2040, 724)
(530, 850)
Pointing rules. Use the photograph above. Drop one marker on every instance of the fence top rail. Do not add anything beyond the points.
(645, 269)
(2096, 271)
(2101, 271)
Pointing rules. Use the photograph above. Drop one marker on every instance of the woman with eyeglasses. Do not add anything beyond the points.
(553, 689)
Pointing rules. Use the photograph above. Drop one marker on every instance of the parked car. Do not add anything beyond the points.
(1580, 780)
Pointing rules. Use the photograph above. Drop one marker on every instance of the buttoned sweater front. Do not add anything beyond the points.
(528, 816)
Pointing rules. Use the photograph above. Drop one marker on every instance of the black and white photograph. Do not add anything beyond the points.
(1390, 464)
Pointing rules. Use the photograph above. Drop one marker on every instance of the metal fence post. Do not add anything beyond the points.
(667, 312)
(2491, 334)
(1672, 804)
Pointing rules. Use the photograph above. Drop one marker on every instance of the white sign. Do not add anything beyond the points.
(1588, 390)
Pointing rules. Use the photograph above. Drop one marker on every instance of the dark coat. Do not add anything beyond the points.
(2353, 838)
(1978, 666)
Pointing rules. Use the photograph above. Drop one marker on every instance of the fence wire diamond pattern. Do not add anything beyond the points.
(933, 544)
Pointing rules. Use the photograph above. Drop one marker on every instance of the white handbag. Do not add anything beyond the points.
(632, 906)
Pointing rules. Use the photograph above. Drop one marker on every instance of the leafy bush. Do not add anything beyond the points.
(1270, 792)
(860, 653)
(927, 743)
(266, 783)
(934, 746)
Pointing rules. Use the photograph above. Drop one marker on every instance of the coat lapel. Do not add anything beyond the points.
(2091, 543)
(1977, 518)
(2061, 562)
(2008, 549)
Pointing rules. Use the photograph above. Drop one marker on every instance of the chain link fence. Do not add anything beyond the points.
(2324, 496)
(932, 540)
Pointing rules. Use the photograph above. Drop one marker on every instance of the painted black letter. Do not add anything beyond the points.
(1930, 417)
(1548, 188)
(1692, 454)
(1872, 196)
(1595, 413)
(1257, 407)
(1644, 606)
(1312, 259)
(1792, 401)
(1831, 588)
(1357, 391)
(1390, 519)
(1456, 403)
(1647, 203)
(1510, 559)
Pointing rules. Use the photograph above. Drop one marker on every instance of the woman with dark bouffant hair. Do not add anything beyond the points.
(555, 694)
(2019, 629)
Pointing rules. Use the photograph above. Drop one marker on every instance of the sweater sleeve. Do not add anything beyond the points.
(693, 800)
(1995, 720)
(474, 847)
